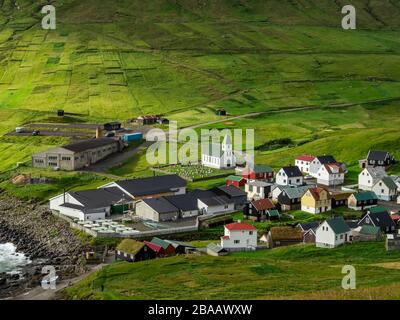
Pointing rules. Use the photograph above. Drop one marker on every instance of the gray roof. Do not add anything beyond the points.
(259, 183)
(309, 225)
(215, 247)
(376, 173)
(216, 201)
(232, 191)
(99, 198)
(184, 202)
(160, 205)
(295, 192)
(153, 185)
(388, 181)
(292, 171)
(85, 145)
(378, 155)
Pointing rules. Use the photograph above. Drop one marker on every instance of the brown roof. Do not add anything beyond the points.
(263, 204)
(286, 233)
(315, 192)
(330, 166)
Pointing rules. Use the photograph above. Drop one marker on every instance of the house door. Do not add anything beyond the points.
(345, 237)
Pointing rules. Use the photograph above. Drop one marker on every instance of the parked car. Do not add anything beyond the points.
(35, 133)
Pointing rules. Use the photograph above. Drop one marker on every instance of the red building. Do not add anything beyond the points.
(235, 181)
(259, 172)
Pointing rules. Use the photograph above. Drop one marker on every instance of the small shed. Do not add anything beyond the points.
(111, 126)
(369, 233)
(221, 112)
(236, 181)
(169, 249)
(282, 236)
(216, 250)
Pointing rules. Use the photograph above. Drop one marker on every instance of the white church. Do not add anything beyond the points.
(219, 156)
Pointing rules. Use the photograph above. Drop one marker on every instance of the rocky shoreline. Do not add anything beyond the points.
(44, 238)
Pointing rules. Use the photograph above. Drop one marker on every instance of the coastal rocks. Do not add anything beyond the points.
(44, 238)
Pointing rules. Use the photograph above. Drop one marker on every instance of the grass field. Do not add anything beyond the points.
(301, 272)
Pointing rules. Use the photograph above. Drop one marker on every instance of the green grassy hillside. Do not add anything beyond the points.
(114, 60)
(300, 272)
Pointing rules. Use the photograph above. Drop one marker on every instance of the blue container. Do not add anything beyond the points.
(132, 137)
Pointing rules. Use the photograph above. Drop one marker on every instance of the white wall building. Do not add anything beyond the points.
(289, 176)
(303, 162)
(317, 162)
(369, 177)
(219, 156)
(330, 174)
(215, 205)
(332, 233)
(239, 236)
(385, 189)
(257, 189)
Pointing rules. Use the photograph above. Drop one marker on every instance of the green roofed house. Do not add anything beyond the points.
(131, 250)
(378, 217)
(369, 233)
(169, 249)
(362, 200)
(273, 214)
(332, 233)
(236, 181)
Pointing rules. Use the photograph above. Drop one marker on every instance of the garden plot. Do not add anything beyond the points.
(195, 172)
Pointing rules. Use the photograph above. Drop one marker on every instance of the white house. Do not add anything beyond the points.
(332, 233)
(213, 205)
(369, 177)
(239, 236)
(91, 204)
(303, 162)
(257, 189)
(317, 162)
(385, 189)
(289, 176)
(330, 174)
(219, 156)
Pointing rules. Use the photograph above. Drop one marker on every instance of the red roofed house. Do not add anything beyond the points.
(316, 200)
(239, 236)
(303, 163)
(259, 172)
(260, 210)
(160, 252)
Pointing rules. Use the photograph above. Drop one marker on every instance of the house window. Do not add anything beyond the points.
(236, 241)
(341, 236)
(251, 233)
(66, 158)
(52, 158)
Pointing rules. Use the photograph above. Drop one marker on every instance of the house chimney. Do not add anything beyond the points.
(99, 133)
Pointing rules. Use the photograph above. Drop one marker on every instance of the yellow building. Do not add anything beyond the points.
(316, 200)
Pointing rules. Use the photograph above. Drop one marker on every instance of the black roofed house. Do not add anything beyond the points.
(288, 176)
(151, 187)
(91, 204)
(76, 155)
(237, 195)
(377, 159)
(378, 217)
(132, 251)
(290, 197)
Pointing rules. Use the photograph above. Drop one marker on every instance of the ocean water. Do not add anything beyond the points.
(11, 261)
